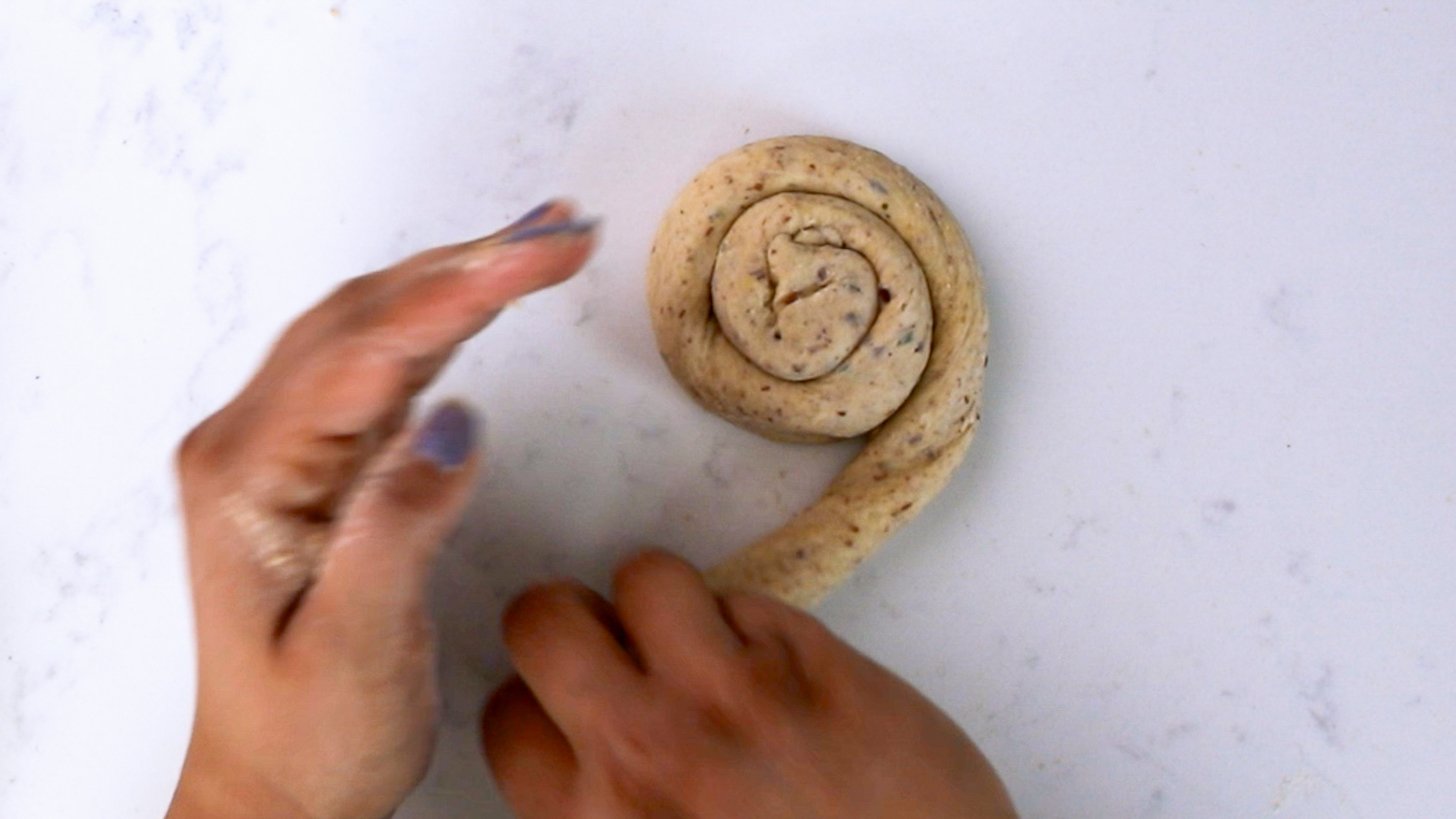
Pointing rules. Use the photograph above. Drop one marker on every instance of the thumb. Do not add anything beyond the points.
(375, 578)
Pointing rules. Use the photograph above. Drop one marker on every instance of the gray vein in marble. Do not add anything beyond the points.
(719, 465)
(1297, 566)
(1218, 511)
(543, 90)
(1319, 702)
(121, 24)
(1282, 310)
(1077, 525)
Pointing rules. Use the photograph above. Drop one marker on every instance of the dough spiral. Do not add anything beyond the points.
(810, 289)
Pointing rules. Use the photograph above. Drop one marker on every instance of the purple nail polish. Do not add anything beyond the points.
(531, 215)
(571, 227)
(447, 436)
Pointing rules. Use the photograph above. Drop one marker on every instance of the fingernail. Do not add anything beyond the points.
(531, 215)
(447, 435)
(571, 227)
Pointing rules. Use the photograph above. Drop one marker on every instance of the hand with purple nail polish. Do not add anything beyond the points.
(314, 509)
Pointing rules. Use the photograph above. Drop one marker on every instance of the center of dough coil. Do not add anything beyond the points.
(816, 288)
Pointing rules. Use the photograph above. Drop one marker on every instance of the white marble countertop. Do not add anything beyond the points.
(1200, 562)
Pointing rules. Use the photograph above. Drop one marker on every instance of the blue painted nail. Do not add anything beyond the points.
(447, 435)
(571, 227)
(531, 215)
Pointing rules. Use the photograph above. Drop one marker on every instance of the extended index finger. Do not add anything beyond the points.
(384, 342)
(341, 378)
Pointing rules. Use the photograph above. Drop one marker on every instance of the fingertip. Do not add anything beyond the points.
(419, 484)
(653, 567)
(494, 715)
(503, 272)
(671, 615)
(555, 209)
(522, 615)
(549, 210)
(654, 560)
(543, 609)
(452, 293)
(527, 753)
(447, 437)
(564, 229)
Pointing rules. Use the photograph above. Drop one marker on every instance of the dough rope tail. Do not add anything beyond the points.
(810, 290)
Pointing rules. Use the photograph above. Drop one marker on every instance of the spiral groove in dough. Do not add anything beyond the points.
(810, 289)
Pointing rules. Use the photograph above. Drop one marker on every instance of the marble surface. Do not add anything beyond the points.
(1200, 562)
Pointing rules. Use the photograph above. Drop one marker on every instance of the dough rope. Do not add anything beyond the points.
(809, 289)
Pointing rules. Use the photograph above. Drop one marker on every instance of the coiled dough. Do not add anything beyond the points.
(810, 289)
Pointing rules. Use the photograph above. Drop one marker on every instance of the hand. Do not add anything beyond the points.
(677, 704)
(312, 520)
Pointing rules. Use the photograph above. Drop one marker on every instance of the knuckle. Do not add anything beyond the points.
(341, 306)
(301, 329)
(354, 292)
(202, 449)
(761, 689)
(189, 451)
(802, 629)
(645, 749)
(750, 612)
(815, 647)
(761, 671)
(669, 763)
(759, 618)
(357, 302)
